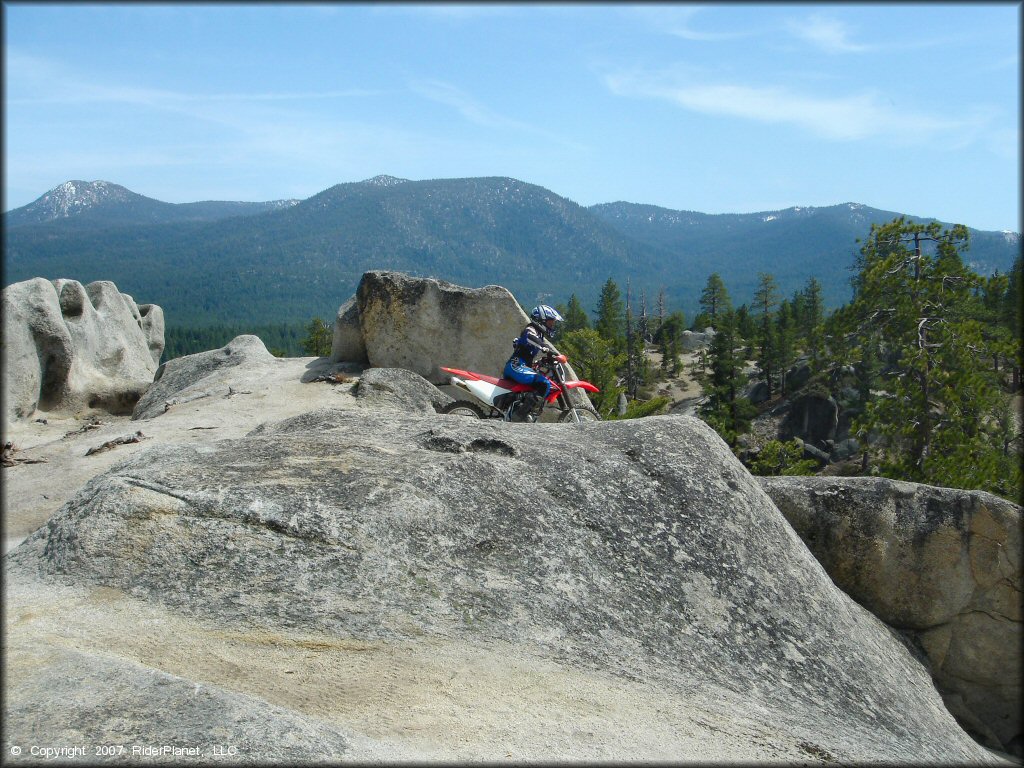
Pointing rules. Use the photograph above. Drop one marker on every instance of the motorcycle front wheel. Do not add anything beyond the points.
(577, 415)
(464, 408)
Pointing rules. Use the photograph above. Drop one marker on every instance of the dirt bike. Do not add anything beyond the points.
(511, 401)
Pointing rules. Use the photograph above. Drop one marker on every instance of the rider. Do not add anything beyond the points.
(525, 348)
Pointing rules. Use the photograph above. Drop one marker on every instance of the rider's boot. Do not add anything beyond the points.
(532, 405)
(524, 407)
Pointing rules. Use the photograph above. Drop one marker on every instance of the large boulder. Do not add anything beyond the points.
(203, 374)
(347, 345)
(398, 321)
(399, 388)
(797, 376)
(631, 556)
(944, 564)
(758, 392)
(691, 341)
(813, 418)
(70, 349)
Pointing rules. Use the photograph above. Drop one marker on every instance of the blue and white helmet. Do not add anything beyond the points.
(542, 313)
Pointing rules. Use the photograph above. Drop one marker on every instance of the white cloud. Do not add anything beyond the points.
(842, 118)
(830, 35)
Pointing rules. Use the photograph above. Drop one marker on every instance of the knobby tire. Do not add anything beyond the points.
(585, 414)
(464, 408)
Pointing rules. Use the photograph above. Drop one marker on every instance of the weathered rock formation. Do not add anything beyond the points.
(399, 388)
(398, 321)
(642, 552)
(70, 348)
(941, 563)
(204, 374)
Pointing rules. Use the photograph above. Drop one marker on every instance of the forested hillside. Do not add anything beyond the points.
(291, 264)
(921, 369)
(793, 244)
(282, 266)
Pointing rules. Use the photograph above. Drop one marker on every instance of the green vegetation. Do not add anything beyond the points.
(206, 264)
(937, 363)
(778, 458)
(318, 338)
(282, 340)
(727, 410)
(926, 359)
(593, 358)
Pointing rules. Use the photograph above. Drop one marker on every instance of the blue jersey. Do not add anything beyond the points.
(528, 344)
(519, 367)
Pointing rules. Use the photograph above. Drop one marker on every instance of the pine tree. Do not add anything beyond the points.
(611, 323)
(575, 316)
(809, 322)
(318, 338)
(726, 410)
(765, 300)
(714, 299)
(661, 310)
(745, 328)
(785, 342)
(938, 415)
(593, 360)
(669, 341)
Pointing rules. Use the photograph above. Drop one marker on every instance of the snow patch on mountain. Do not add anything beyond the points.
(73, 197)
(385, 181)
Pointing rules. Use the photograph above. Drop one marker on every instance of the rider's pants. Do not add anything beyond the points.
(517, 370)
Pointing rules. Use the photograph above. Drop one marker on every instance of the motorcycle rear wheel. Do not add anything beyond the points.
(578, 414)
(464, 408)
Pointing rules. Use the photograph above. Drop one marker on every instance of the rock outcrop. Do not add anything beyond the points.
(398, 321)
(941, 563)
(70, 349)
(813, 418)
(399, 388)
(204, 374)
(690, 341)
(643, 553)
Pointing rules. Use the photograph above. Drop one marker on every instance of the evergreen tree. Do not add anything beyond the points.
(318, 338)
(661, 311)
(1010, 318)
(785, 342)
(591, 356)
(809, 322)
(611, 322)
(745, 328)
(575, 316)
(714, 299)
(765, 299)
(937, 419)
(701, 321)
(669, 341)
(726, 410)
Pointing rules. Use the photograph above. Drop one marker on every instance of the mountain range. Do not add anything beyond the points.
(289, 260)
(100, 204)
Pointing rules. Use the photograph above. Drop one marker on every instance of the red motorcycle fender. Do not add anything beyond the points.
(582, 385)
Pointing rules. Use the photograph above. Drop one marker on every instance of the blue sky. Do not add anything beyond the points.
(726, 108)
